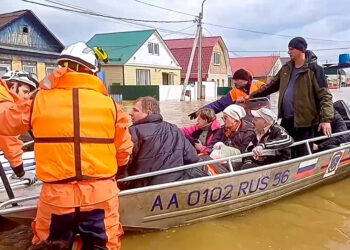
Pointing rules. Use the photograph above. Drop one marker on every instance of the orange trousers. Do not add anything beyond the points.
(98, 224)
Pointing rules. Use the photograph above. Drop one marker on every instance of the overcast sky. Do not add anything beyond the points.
(321, 19)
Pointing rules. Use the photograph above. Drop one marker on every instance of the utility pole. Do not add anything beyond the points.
(199, 83)
(189, 67)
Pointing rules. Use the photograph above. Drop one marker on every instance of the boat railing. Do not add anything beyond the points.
(228, 159)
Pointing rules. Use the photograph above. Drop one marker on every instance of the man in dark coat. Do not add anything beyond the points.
(304, 97)
(158, 145)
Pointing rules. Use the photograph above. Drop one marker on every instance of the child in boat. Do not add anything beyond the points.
(201, 134)
(269, 135)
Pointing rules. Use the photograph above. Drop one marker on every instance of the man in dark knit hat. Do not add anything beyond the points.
(304, 98)
(243, 86)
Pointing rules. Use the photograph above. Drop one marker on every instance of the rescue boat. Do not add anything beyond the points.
(185, 202)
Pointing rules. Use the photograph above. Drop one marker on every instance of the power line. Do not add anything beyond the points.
(84, 12)
(285, 51)
(104, 15)
(163, 8)
(273, 34)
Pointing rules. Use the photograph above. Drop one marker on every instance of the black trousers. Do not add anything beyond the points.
(298, 134)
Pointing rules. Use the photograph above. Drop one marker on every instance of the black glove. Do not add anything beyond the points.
(193, 115)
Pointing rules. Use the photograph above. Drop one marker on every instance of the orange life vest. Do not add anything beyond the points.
(238, 93)
(73, 121)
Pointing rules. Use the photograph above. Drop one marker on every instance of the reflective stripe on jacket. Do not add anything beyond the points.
(73, 120)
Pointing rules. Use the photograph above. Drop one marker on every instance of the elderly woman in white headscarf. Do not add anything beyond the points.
(234, 136)
(270, 137)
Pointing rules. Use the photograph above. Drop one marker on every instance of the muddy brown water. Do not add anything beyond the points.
(318, 218)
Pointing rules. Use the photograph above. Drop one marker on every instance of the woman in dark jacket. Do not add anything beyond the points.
(236, 132)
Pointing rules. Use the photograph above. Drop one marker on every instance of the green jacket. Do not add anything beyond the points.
(312, 98)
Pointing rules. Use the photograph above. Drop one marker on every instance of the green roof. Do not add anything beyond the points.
(120, 46)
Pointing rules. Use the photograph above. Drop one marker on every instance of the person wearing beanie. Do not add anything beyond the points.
(304, 98)
(235, 132)
(298, 43)
(269, 135)
(244, 84)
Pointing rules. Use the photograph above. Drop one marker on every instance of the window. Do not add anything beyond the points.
(25, 30)
(156, 48)
(49, 69)
(143, 77)
(5, 65)
(223, 82)
(218, 82)
(217, 58)
(150, 48)
(153, 48)
(4, 68)
(29, 67)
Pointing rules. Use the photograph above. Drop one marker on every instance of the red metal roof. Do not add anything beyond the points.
(259, 66)
(9, 17)
(181, 49)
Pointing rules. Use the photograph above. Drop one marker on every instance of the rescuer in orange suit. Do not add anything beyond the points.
(14, 86)
(81, 137)
(243, 85)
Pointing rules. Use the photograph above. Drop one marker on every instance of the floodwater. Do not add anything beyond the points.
(318, 218)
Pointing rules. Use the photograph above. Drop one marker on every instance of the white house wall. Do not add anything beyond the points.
(278, 65)
(142, 57)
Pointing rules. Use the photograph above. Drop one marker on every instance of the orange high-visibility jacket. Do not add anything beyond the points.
(10, 145)
(73, 121)
(238, 93)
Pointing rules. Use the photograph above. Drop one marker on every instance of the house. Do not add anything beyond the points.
(137, 58)
(215, 59)
(284, 60)
(262, 67)
(27, 44)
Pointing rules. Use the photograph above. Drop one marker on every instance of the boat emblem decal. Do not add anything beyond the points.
(334, 163)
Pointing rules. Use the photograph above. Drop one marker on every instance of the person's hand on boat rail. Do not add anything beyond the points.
(27, 176)
(326, 128)
(257, 152)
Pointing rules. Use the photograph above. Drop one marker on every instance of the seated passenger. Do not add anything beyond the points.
(338, 125)
(201, 134)
(158, 145)
(235, 132)
(269, 135)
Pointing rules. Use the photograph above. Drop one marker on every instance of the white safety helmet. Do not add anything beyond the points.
(80, 53)
(29, 79)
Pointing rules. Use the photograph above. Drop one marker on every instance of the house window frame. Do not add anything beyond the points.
(51, 68)
(153, 48)
(5, 65)
(25, 30)
(147, 82)
(29, 65)
(216, 55)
